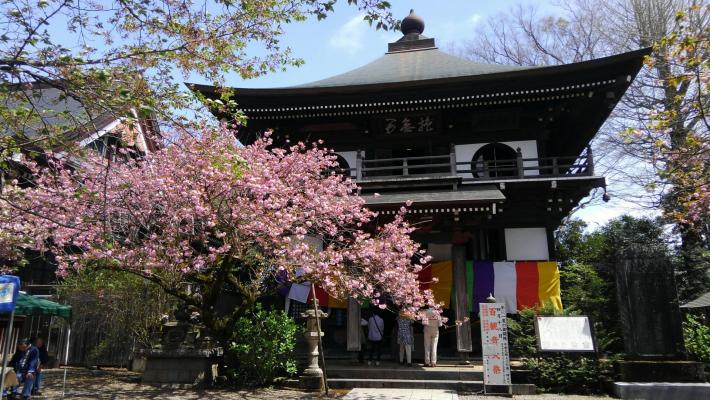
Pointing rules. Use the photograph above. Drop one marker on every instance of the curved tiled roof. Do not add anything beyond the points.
(411, 65)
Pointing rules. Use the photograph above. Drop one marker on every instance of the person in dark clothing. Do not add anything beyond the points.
(43, 360)
(24, 362)
(375, 335)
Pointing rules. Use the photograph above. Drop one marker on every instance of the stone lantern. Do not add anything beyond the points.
(312, 376)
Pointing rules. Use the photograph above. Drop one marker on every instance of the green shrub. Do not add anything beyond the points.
(570, 373)
(261, 348)
(697, 338)
(588, 291)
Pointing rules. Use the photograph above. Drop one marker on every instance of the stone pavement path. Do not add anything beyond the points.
(85, 384)
(401, 394)
(463, 396)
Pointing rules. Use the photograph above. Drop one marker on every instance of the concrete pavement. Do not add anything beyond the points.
(401, 394)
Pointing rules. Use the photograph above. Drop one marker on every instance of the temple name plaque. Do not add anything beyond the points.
(564, 334)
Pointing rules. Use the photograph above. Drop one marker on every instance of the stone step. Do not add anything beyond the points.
(350, 383)
(390, 370)
(457, 385)
(417, 373)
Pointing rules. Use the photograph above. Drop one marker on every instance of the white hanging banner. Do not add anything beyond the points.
(494, 342)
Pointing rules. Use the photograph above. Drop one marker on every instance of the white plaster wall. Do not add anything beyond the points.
(465, 152)
(351, 158)
(526, 244)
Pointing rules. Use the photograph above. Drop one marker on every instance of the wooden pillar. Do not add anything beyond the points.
(452, 159)
(358, 165)
(555, 167)
(463, 331)
(353, 325)
(519, 163)
(590, 161)
(551, 251)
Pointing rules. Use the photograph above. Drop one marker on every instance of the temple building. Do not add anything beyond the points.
(493, 157)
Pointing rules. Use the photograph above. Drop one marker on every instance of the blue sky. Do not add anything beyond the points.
(344, 41)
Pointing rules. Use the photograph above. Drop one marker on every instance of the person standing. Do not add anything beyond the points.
(43, 361)
(405, 336)
(375, 334)
(24, 362)
(432, 322)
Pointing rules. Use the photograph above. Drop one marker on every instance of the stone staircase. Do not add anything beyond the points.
(450, 376)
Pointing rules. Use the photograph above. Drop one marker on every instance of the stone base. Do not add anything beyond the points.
(137, 363)
(310, 382)
(661, 391)
(661, 371)
(181, 368)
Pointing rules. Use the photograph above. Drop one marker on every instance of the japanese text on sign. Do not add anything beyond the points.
(412, 124)
(494, 341)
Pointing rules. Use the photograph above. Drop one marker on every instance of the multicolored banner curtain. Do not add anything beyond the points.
(442, 288)
(520, 284)
(549, 284)
(504, 285)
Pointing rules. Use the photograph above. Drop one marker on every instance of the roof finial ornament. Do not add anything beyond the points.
(412, 23)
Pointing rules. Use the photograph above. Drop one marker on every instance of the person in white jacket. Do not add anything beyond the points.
(432, 322)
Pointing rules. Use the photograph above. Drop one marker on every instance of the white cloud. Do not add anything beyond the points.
(475, 19)
(350, 36)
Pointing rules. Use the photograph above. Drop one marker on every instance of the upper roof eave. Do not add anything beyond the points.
(533, 72)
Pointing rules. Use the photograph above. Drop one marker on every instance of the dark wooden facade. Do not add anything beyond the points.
(488, 154)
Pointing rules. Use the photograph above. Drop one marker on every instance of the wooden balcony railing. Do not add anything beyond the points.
(447, 166)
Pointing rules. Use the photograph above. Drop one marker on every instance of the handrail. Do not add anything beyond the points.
(396, 167)
(379, 160)
(517, 168)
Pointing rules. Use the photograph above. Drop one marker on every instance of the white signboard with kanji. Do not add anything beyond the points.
(494, 341)
(564, 333)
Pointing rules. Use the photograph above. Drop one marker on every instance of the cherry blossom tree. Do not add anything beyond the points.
(684, 163)
(206, 218)
(129, 58)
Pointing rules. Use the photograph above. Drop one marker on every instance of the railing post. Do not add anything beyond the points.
(358, 165)
(452, 159)
(405, 167)
(555, 167)
(519, 162)
(590, 161)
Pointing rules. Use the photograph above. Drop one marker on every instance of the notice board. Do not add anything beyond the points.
(564, 334)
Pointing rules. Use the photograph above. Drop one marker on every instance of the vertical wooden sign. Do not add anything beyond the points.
(494, 342)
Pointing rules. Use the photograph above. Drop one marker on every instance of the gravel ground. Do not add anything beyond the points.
(120, 384)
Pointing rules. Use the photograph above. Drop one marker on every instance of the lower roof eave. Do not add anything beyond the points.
(484, 194)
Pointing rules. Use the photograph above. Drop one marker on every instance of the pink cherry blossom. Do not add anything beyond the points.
(205, 201)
